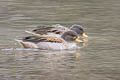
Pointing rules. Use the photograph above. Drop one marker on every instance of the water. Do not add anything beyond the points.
(99, 59)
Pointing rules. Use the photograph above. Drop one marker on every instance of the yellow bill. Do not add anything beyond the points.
(78, 40)
(84, 35)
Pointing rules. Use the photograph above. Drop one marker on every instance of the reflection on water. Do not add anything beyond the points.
(39, 64)
(98, 59)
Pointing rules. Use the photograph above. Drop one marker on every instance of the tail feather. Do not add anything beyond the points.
(27, 44)
(18, 40)
(29, 32)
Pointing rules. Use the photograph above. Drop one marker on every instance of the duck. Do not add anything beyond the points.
(68, 40)
(58, 30)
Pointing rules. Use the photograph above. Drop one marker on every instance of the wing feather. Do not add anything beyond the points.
(37, 39)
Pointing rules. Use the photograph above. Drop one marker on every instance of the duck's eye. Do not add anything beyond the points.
(81, 29)
(73, 35)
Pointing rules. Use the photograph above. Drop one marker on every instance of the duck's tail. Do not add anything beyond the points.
(26, 44)
(29, 32)
(18, 40)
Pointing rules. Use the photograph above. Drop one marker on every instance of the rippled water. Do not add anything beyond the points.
(99, 59)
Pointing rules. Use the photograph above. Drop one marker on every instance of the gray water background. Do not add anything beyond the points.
(99, 59)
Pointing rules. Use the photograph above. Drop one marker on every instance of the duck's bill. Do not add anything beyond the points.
(78, 40)
(84, 35)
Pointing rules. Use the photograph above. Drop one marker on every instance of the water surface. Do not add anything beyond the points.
(99, 59)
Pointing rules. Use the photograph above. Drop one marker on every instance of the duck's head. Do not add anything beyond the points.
(70, 36)
(79, 30)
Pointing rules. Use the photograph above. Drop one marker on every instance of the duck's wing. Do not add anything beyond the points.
(45, 30)
(36, 39)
